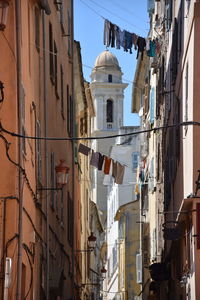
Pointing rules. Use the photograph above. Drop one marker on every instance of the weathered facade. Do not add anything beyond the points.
(88, 263)
(37, 229)
(169, 109)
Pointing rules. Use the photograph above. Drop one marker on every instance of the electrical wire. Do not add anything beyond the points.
(107, 73)
(84, 65)
(115, 15)
(8, 43)
(27, 250)
(96, 12)
(155, 129)
(127, 10)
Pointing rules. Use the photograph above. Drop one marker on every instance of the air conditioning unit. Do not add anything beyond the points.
(139, 268)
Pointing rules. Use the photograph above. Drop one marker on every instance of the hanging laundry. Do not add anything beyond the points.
(134, 40)
(137, 191)
(141, 43)
(94, 161)
(112, 35)
(119, 174)
(101, 160)
(122, 38)
(107, 163)
(147, 44)
(128, 42)
(84, 149)
(117, 36)
(106, 36)
(152, 49)
(114, 169)
(109, 34)
(141, 175)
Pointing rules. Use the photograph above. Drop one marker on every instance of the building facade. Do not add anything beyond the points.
(37, 224)
(169, 110)
(122, 232)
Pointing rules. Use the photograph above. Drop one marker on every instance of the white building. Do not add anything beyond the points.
(126, 151)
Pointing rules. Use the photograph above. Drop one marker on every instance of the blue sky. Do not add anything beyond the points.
(130, 15)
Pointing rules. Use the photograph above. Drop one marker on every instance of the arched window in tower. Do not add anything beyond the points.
(109, 111)
(109, 78)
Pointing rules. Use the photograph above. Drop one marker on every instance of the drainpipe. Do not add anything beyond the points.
(72, 144)
(46, 153)
(4, 202)
(20, 182)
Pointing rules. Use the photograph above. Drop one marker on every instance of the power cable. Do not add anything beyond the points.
(96, 12)
(115, 15)
(84, 65)
(155, 129)
(27, 250)
(127, 10)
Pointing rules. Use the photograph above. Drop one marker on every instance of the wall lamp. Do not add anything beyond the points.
(103, 273)
(91, 243)
(4, 4)
(62, 174)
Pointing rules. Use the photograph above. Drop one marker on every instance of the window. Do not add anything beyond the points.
(109, 78)
(135, 156)
(186, 93)
(53, 179)
(51, 58)
(186, 96)
(168, 14)
(23, 286)
(69, 33)
(56, 69)
(109, 111)
(61, 91)
(38, 153)
(37, 29)
(180, 29)
(151, 175)
(62, 207)
(70, 217)
(69, 112)
(175, 45)
(150, 6)
(62, 17)
(158, 163)
(152, 98)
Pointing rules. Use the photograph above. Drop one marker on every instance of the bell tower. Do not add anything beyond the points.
(108, 94)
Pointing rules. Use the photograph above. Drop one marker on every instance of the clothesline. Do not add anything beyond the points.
(104, 163)
(115, 37)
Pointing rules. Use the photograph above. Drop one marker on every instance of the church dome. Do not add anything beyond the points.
(106, 59)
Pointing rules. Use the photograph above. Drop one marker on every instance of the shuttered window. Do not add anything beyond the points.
(38, 153)
(152, 100)
(37, 29)
(174, 61)
(51, 58)
(62, 91)
(53, 180)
